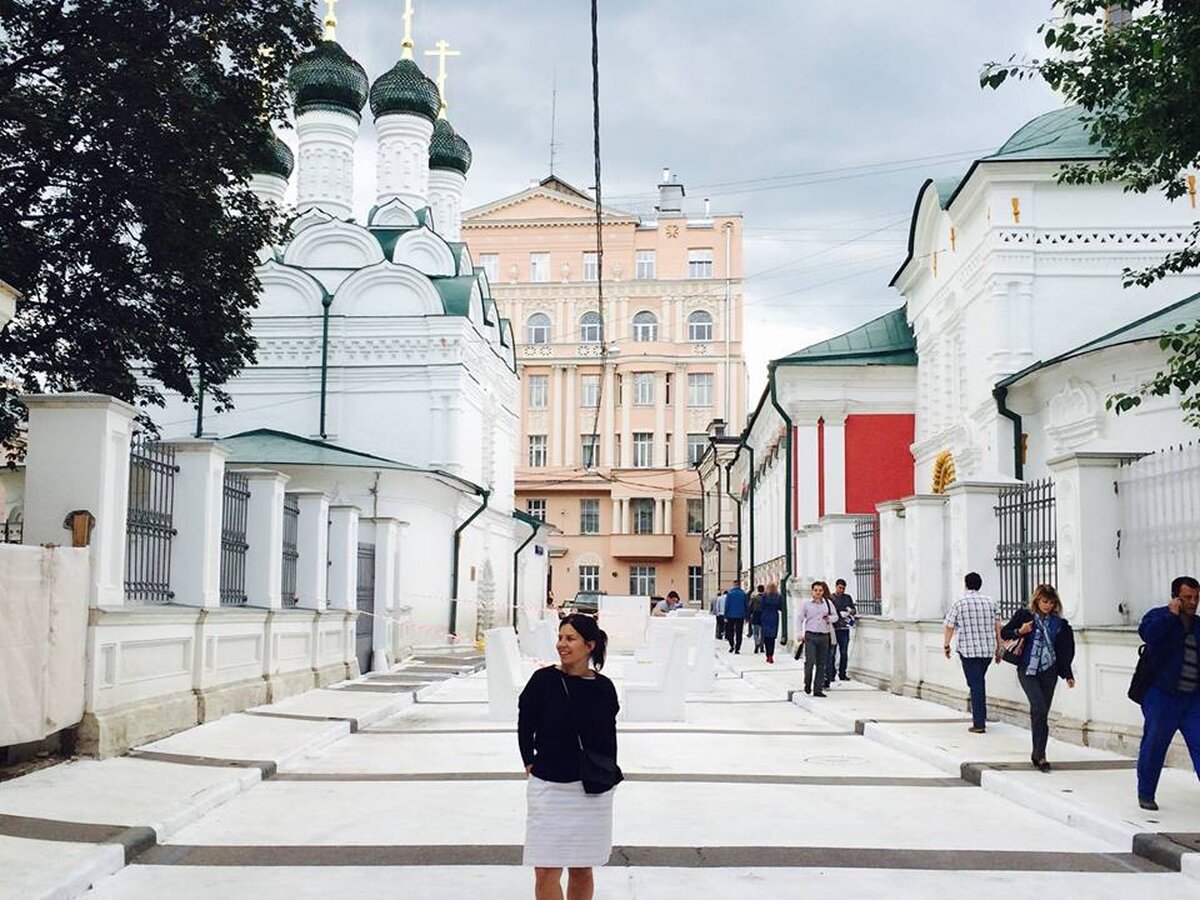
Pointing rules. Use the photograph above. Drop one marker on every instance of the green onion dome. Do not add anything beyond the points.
(404, 88)
(272, 156)
(447, 150)
(327, 78)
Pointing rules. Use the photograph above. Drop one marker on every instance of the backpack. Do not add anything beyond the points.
(1143, 677)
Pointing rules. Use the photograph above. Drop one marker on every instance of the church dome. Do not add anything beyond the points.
(1061, 134)
(404, 88)
(328, 78)
(272, 156)
(447, 150)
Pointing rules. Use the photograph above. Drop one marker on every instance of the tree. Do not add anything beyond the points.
(1134, 67)
(128, 130)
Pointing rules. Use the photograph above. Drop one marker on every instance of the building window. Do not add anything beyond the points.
(667, 388)
(537, 509)
(589, 579)
(667, 450)
(643, 449)
(645, 265)
(589, 328)
(643, 388)
(589, 516)
(539, 266)
(591, 266)
(538, 328)
(700, 389)
(490, 263)
(537, 451)
(642, 512)
(642, 581)
(589, 390)
(700, 264)
(695, 511)
(645, 326)
(697, 445)
(700, 326)
(695, 584)
(589, 450)
(539, 391)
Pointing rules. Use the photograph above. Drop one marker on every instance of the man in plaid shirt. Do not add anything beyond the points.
(974, 619)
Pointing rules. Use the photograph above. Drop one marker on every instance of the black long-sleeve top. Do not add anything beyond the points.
(546, 723)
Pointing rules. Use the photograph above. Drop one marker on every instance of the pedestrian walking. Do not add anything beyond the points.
(755, 618)
(717, 608)
(772, 608)
(1046, 653)
(1172, 701)
(975, 625)
(567, 733)
(736, 602)
(839, 650)
(816, 622)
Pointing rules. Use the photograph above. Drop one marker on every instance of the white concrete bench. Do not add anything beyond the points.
(658, 692)
(506, 675)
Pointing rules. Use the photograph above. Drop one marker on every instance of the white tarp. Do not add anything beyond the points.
(43, 640)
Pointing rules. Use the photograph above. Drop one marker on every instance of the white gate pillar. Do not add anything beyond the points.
(198, 511)
(925, 535)
(312, 545)
(893, 580)
(975, 532)
(264, 537)
(343, 557)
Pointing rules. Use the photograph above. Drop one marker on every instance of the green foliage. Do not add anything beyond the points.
(128, 130)
(1134, 66)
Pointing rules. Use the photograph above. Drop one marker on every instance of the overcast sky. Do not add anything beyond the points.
(857, 100)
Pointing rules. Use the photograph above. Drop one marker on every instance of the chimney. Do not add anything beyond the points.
(670, 196)
(707, 208)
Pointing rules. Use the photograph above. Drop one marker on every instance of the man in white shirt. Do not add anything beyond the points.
(973, 619)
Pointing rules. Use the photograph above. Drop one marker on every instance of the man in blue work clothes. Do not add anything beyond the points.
(736, 603)
(1172, 702)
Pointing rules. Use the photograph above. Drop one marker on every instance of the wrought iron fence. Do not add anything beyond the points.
(291, 553)
(1027, 554)
(235, 506)
(866, 565)
(365, 597)
(11, 532)
(150, 526)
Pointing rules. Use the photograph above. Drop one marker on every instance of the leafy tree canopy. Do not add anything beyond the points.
(128, 130)
(1134, 66)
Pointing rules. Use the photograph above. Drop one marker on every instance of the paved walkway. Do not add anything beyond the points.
(400, 786)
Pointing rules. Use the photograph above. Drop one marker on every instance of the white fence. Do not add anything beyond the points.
(1159, 538)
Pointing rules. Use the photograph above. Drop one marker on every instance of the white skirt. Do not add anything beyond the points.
(565, 826)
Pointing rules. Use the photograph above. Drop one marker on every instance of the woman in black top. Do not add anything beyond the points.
(562, 709)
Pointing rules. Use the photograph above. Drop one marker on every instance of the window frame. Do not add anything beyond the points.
(589, 586)
(531, 336)
(531, 510)
(695, 515)
(591, 265)
(589, 444)
(585, 393)
(643, 450)
(641, 509)
(643, 576)
(693, 326)
(698, 267)
(695, 379)
(645, 261)
(542, 382)
(695, 576)
(589, 515)
(587, 322)
(643, 388)
(537, 446)
(490, 263)
(536, 273)
(644, 332)
(693, 444)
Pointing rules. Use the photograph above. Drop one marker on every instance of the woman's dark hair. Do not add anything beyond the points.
(671, 594)
(591, 634)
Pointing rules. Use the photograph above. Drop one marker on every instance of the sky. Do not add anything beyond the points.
(817, 120)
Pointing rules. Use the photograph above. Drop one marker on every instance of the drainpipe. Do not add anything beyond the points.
(787, 505)
(326, 302)
(458, 532)
(1000, 393)
(516, 557)
(750, 450)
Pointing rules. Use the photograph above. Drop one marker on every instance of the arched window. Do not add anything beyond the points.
(645, 327)
(589, 328)
(700, 326)
(539, 328)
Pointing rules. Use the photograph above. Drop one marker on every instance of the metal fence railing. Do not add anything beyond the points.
(11, 532)
(235, 506)
(1027, 554)
(291, 552)
(866, 565)
(365, 601)
(150, 526)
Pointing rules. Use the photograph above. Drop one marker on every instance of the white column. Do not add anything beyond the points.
(679, 399)
(556, 415)
(615, 527)
(325, 163)
(446, 189)
(626, 516)
(835, 464)
(77, 458)
(892, 578)
(198, 512)
(925, 533)
(626, 412)
(838, 534)
(264, 535)
(571, 433)
(668, 513)
(806, 472)
(659, 446)
(387, 587)
(402, 161)
(312, 544)
(659, 516)
(608, 427)
(343, 557)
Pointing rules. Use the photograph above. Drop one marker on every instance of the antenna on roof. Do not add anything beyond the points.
(553, 121)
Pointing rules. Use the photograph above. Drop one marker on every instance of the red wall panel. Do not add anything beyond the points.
(879, 465)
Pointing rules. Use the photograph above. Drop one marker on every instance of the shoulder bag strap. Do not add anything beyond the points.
(570, 718)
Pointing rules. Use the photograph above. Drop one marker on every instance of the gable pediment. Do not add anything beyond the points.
(539, 204)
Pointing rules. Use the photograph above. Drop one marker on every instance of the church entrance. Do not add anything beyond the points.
(365, 629)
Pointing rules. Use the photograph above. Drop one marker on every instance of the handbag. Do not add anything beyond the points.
(598, 771)
(1143, 677)
(1012, 651)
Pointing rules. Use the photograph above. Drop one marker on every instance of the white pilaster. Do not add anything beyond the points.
(893, 581)
(925, 533)
(571, 434)
(679, 401)
(974, 533)
(806, 472)
(668, 515)
(626, 516)
(446, 189)
(556, 415)
(660, 420)
(402, 161)
(199, 507)
(343, 557)
(609, 429)
(626, 460)
(835, 464)
(264, 536)
(387, 587)
(312, 545)
(325, 163)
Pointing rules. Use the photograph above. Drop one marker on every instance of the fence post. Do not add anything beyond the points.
(199, 503)
(387, 587)
(264, 535)
(838, 562)
(925, 539)
(77, 457)
(1089, 517)
(892, 578)
(343, 557)
(312, 543)
(974, 532)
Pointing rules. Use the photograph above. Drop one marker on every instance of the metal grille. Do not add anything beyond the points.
(150, 528)
(365, 597)
(291, 553)
(10, 532)
(235, 506)
(1027, 554)
(866, 565)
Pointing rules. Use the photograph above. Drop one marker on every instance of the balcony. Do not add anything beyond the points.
(643, 546)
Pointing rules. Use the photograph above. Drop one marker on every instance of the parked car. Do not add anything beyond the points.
(587, 602)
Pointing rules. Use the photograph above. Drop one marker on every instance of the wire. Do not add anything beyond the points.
(595, 442)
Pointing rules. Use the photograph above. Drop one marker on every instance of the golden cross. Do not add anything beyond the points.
(443, 50)
(407, 44)
(330, 20)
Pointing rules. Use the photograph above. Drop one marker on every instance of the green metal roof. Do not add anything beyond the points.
(271, 156)
(458, 247)
(447, 149)
(1151, 327)
(326, 77)
(456, 293)
(885, 341)
(1059, 135)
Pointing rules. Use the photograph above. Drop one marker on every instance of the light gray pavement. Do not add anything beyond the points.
(369, 791)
